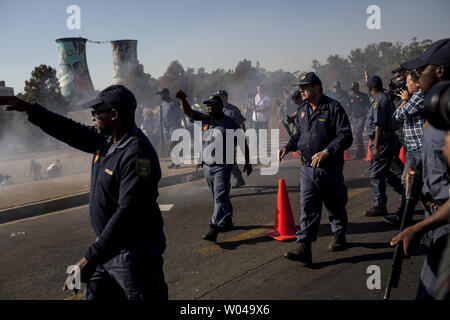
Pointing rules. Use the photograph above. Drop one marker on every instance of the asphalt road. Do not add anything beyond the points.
(243, 264)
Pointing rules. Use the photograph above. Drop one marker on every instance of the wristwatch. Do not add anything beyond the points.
(326, 151)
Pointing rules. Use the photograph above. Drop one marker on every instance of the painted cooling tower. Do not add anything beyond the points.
(74, 79)
(124, 60)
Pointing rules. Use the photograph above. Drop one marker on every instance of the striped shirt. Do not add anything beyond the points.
(412, 120)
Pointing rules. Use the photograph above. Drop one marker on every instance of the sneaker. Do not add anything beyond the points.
(376, 212)
(392, 219)
(212, 234)
(239, 183)
(171, 166)
(339, 243)
(302, 254)
(177, 166)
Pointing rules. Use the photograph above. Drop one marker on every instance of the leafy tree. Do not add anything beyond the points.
(43, 88)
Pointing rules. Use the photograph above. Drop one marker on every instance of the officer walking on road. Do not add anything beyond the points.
(323, 133)
(234, 113)
(359, 105)
(381, 128)
(125, 261)
(215, 168)
(171, 117)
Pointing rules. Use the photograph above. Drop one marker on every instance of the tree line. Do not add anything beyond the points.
(377, 58)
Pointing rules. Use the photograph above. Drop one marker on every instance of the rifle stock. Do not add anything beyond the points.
(397, 261)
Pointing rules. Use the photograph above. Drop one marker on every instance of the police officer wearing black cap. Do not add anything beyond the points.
(381, 128)
(359, 104)
(217, 171)
(433, 66)
(125, 261)
(171, 117)
(234, 113)
(323, 133)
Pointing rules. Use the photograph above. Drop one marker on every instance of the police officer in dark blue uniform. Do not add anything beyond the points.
(170, 118)
(359, 105)
(234, 113)
(433, 65)
(323, 133)
(381, 128)
(125, 261)
(216, 168)
(341, 96)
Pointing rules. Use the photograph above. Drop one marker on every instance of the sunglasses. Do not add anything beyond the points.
(96, 113)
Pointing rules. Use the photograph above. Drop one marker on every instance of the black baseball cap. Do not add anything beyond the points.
(296, 95)
(337, 85)
(374, 82)
(214, 100)
(308, 78)
(222, 93)
(116, 96)
(399, 69)
(438, 53)
(355, 86)
(163, 91)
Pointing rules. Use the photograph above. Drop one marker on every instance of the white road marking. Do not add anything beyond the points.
(165, 207)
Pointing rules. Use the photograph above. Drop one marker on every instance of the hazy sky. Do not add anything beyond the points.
(283, 34)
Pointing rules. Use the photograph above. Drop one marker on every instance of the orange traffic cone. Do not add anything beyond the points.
(347, 155)
(401, 155)
(284, 221)
(368, 151)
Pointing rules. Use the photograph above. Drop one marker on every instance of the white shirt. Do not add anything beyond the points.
(261, 112)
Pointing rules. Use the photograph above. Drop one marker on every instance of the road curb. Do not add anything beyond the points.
(79, 199)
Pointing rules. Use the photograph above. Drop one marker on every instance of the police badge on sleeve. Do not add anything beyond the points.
(143, 167)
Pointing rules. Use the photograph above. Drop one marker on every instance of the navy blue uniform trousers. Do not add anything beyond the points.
(322, 186)
(218, 180)
(133, 274)
(358, 128)
(380, 173)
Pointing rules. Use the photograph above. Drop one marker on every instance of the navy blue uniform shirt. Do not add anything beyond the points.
(124, 185)
(172, 114)
(234, 113)
(436, 175)
(360, 105)
(208, 124)
(381, 114)
(327, 127)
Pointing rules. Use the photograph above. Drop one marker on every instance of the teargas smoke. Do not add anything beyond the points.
(74, 79)
(124, 60)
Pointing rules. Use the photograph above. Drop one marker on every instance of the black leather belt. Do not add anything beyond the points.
(305, 162)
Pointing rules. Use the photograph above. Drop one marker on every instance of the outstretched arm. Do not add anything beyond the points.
(185, 104)
(75, 134)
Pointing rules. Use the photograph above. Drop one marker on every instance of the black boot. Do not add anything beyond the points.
(376, 212)
(212, 234)
(339, 243)
(228, 224)
(302, 254)
(239, 183)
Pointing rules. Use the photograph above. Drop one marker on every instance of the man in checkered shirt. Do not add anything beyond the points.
(408, 113)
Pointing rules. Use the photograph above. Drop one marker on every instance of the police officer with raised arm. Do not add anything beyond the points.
(216, 168)
(125, 261)
(323, 133)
